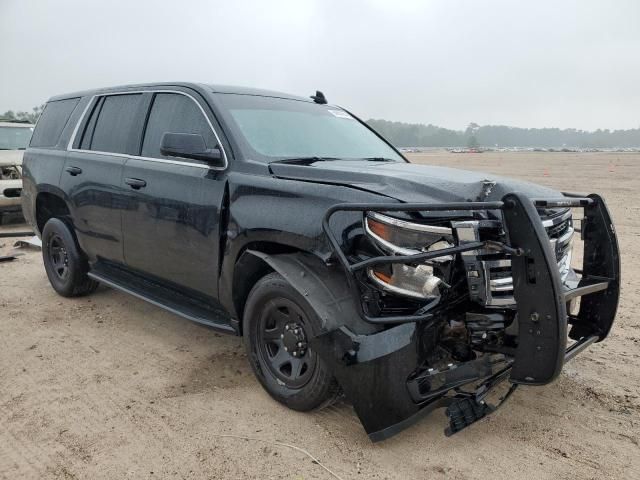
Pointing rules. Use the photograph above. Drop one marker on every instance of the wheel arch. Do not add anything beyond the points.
(325, 288)
(50, 203)
(248, 268)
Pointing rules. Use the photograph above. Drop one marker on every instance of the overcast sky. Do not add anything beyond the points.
(529, 64)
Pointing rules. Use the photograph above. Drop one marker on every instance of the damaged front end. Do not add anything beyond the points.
(480, 297)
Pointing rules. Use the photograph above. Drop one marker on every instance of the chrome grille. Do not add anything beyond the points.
(498, 281)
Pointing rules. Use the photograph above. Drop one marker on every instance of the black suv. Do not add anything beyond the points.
(344, 267)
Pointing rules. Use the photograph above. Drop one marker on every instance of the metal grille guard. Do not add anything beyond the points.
(541, 299)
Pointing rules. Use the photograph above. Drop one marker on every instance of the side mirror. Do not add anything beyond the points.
(190, 145)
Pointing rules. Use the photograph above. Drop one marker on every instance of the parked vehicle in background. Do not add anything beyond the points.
(14, 139)
(292, 223)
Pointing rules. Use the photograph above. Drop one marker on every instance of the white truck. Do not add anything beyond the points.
(14, 139)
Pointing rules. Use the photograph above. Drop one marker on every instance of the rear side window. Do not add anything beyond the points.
(52, 121)
(111, 123)
(85, 144)
(174, 113)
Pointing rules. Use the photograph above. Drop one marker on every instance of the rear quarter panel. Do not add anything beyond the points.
(40, 173)
(42, 167)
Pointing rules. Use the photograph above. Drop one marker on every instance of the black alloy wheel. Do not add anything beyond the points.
(64, 262)
(283, 344)
(58, 257)
(278, 324)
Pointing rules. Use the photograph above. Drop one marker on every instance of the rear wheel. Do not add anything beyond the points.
(277, 325)
(65, 266)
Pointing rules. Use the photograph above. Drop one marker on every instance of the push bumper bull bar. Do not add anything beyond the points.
(378, 371)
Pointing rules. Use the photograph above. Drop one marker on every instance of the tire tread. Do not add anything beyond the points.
(81, 284)
(321, 391)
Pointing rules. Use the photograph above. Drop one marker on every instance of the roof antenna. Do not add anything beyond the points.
(319, 97)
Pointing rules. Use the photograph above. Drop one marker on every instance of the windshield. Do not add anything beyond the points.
(14, 138)
(275, 129)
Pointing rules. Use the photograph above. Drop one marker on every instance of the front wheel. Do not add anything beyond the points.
(278, 323)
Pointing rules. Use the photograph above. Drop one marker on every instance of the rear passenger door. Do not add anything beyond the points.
(92, 176)
(171, 228)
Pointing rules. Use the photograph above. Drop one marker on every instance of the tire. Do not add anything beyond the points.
(277, 323)
(64, 263)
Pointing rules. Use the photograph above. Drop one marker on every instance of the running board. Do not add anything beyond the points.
(168, 300)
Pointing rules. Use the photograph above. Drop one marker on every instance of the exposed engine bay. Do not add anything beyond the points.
(471, 294)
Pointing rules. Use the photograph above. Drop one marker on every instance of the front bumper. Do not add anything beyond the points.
(380, 373)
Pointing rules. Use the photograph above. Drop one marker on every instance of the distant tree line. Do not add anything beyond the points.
(30, 117)
(420, 135)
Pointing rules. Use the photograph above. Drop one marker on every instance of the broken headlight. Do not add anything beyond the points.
(399, 237)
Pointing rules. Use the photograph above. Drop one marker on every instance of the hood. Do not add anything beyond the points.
(409, 182)
(11, 157)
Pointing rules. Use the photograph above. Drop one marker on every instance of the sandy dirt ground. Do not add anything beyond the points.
(111, 387)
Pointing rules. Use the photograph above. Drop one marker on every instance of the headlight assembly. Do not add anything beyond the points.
(405, 238)
(399, 237)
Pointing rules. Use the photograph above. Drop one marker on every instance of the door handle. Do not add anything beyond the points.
(135, 183)
(73, 171)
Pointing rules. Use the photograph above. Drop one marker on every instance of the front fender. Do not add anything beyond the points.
(371, 364)
(325, 289)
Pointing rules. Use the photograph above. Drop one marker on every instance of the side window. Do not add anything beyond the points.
(174, 113)
(52, 121)
(115, 119)
(85, 144)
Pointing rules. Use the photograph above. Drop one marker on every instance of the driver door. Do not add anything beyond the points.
(171, 223)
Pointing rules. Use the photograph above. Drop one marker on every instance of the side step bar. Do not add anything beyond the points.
(168, 300)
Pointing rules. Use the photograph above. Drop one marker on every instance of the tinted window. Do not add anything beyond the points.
(174, 113)
(52, 121)
(116, 119)
(91, 125)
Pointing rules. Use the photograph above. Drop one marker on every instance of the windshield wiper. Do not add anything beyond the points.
(306, 160)
(310, 160)
(379, 159)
